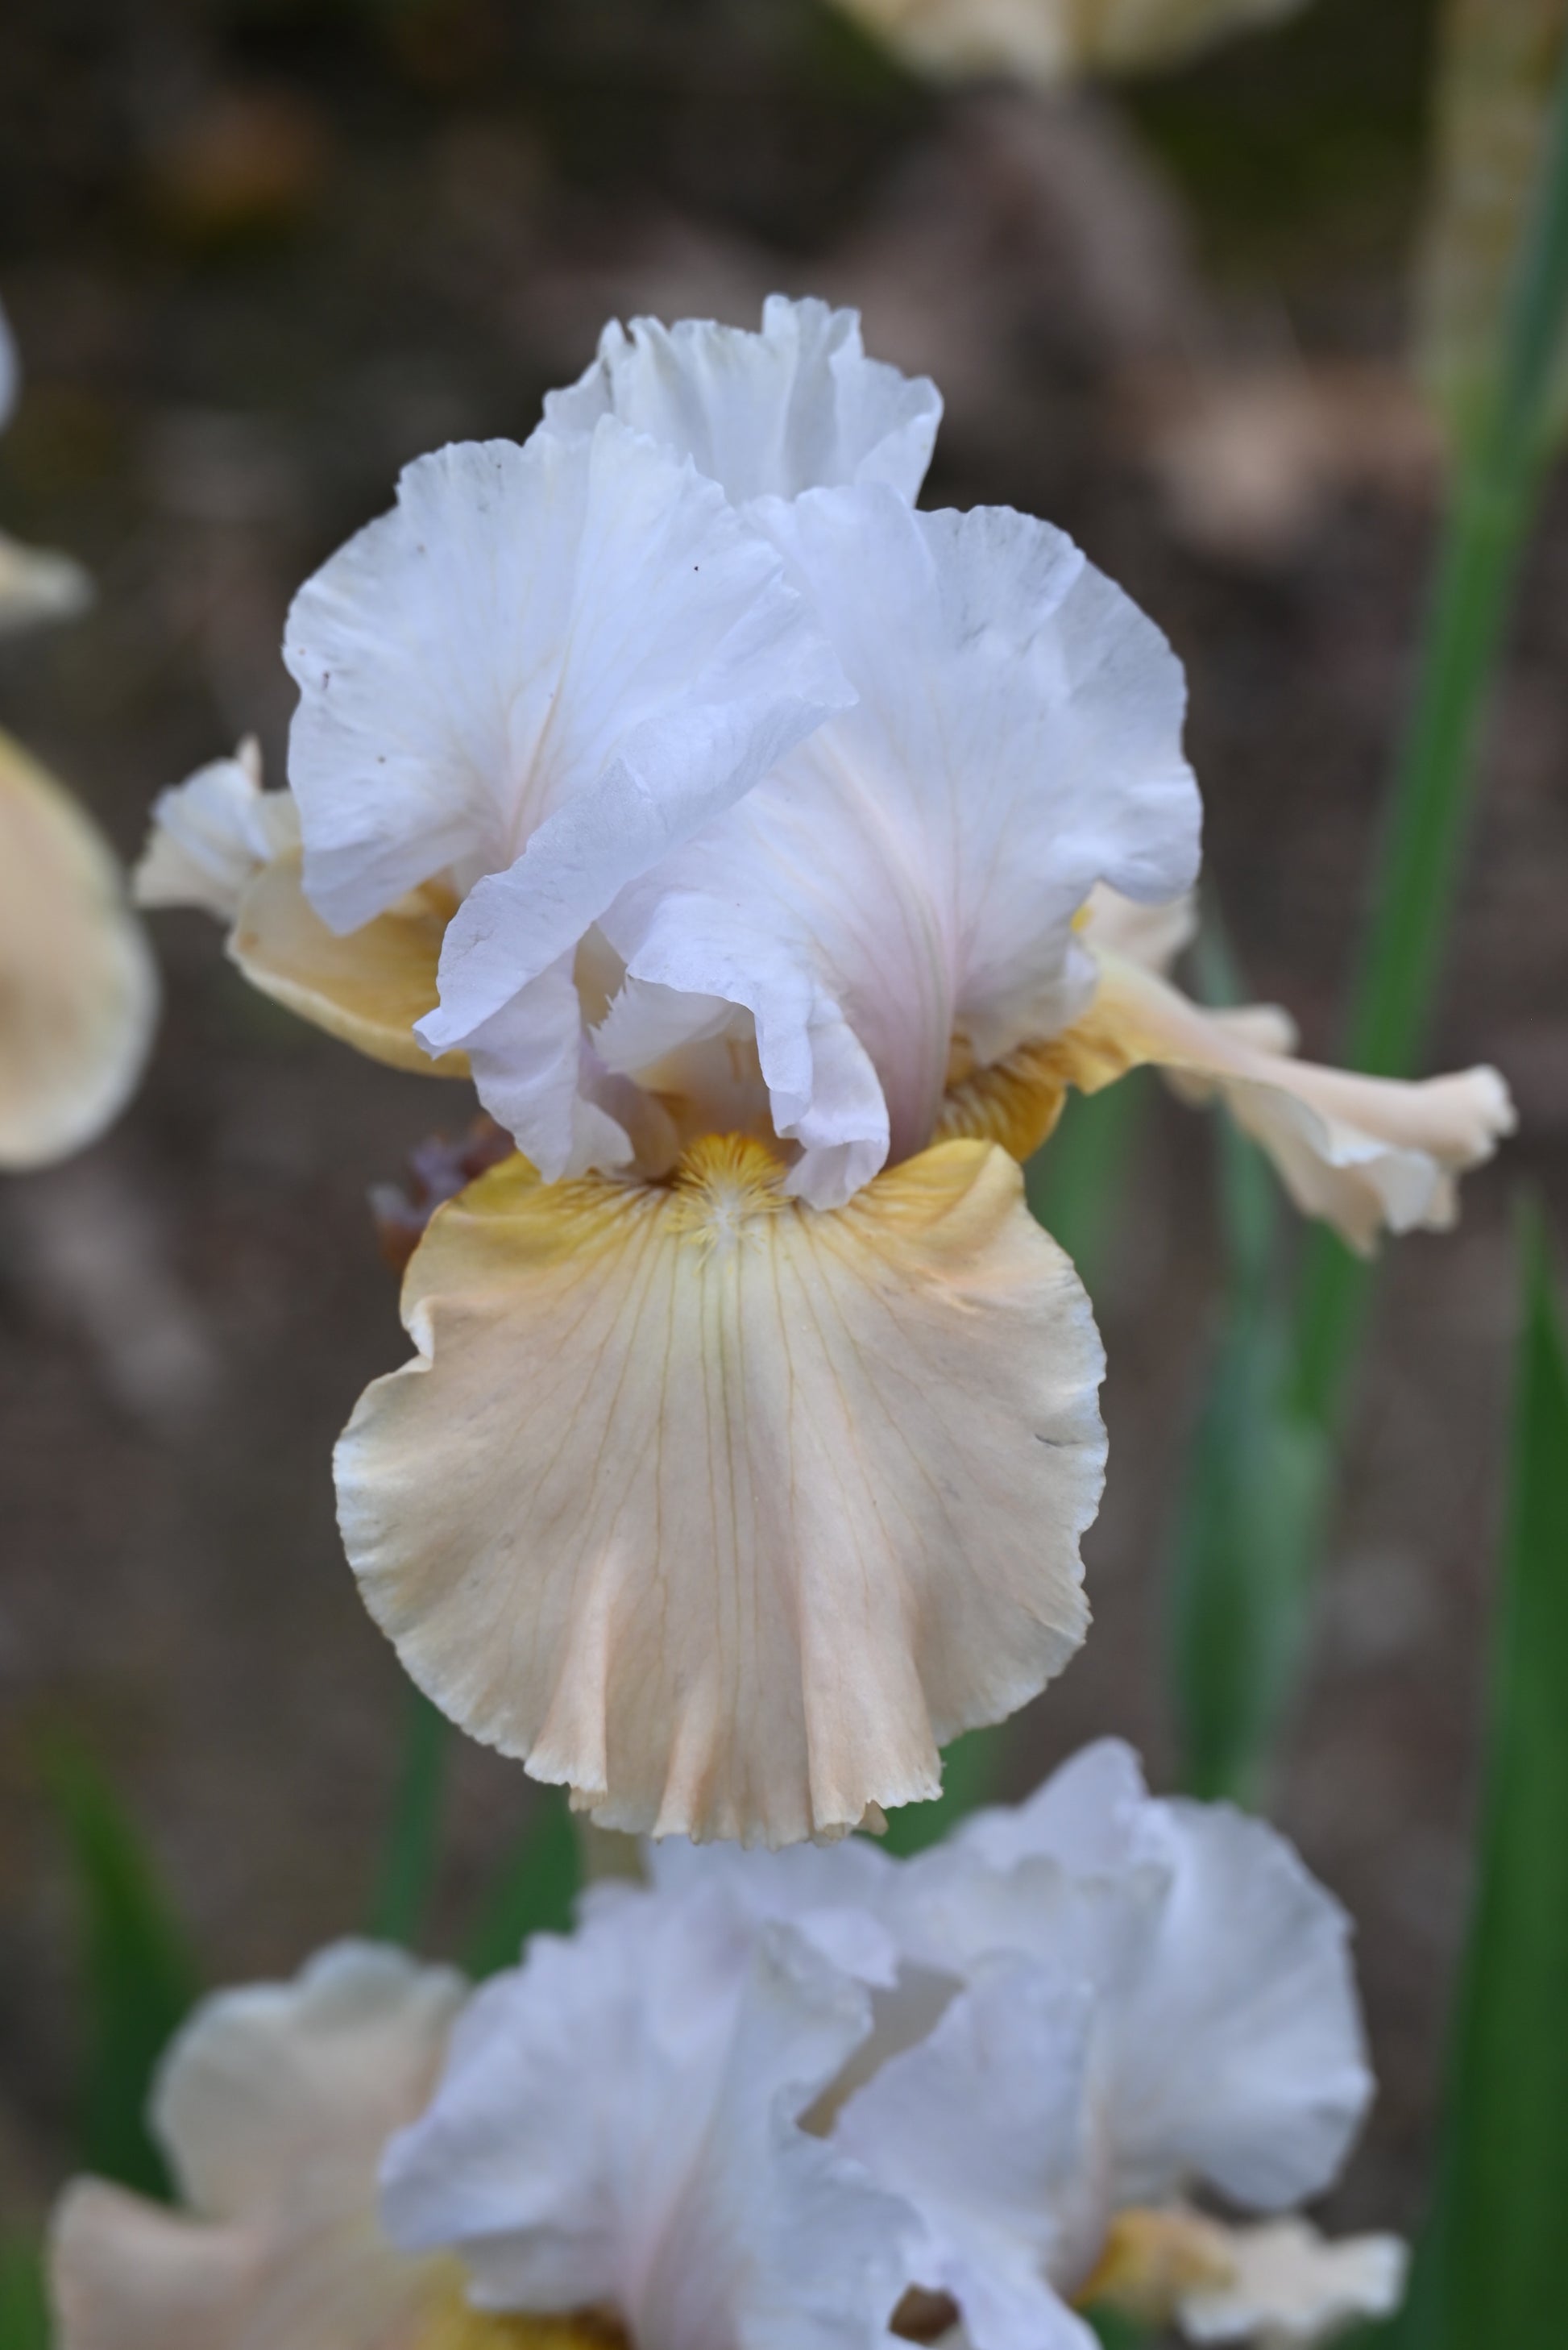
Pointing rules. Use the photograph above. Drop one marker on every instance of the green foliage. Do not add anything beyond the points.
(412, 1852)
(138, 1974)
(1246, 1563)
(535, 1892)
(1491, 2268)
(24, 2306)
(1256, 1487)
(1115, 2332)
(971, 1767)
(1077, 1183)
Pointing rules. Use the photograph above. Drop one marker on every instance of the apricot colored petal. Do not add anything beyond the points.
(725, 1512)
(368, 988)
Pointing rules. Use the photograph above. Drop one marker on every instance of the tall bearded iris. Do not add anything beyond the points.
(738, 827)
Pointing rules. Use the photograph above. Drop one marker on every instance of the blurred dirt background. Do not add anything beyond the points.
(257, 254)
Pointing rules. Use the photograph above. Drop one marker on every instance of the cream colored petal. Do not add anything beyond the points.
(127, 2274)
(1290, 2286)
(280, 2085)
(723, 1511)
(1150, 935)
(78, 988)
(36, 584)
(276, 2104)
(1363, 1153)
(369, 988)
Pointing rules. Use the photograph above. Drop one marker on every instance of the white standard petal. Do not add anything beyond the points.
(616, 2130)
(797, 407)
(212, 834)
(1237, 2055)
(980, 2128)
(833, 1894)
(539, 674)
(905, 883)
(1292, 2287)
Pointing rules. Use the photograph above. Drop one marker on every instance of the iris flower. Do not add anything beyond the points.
(806, 2100)
(745, 834)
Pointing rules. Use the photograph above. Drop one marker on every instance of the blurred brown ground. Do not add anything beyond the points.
(256, 257)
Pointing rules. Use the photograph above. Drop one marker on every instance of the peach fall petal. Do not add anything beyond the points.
(723, 1511)
(368, 988)
(78, 990)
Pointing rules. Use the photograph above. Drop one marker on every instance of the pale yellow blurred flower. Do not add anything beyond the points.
(1050, 41)
(78, 988)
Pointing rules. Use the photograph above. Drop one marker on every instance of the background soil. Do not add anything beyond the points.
(258, 256)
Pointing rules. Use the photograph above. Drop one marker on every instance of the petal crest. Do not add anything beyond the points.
(725, 1512)
(797, 407)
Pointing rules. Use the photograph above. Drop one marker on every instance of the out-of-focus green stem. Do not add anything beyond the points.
(412, 1850)
(1498, 472)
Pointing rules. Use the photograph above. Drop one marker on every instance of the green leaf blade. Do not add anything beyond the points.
(139, 1977)
(535, 1892)
(1491, 2268)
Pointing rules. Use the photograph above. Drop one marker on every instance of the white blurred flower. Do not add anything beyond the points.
(1176, 1961)
(616, 2130)
(1053, 41)
(757, 2101)
(274, 2107)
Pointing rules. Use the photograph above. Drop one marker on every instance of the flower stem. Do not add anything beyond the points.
(1499, 471)
(412, 1850)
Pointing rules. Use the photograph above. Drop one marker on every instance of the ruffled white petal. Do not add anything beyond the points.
(617, 2129)
(79, 987)
(832, 1895)
(1292, 2287)
(1234, 2054)
(1363, 1153)
(980, 2128)
(538, 674)
(797, 407)
(1226, 2035)
(724, 1512)
(910, 875)
(212, 834)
